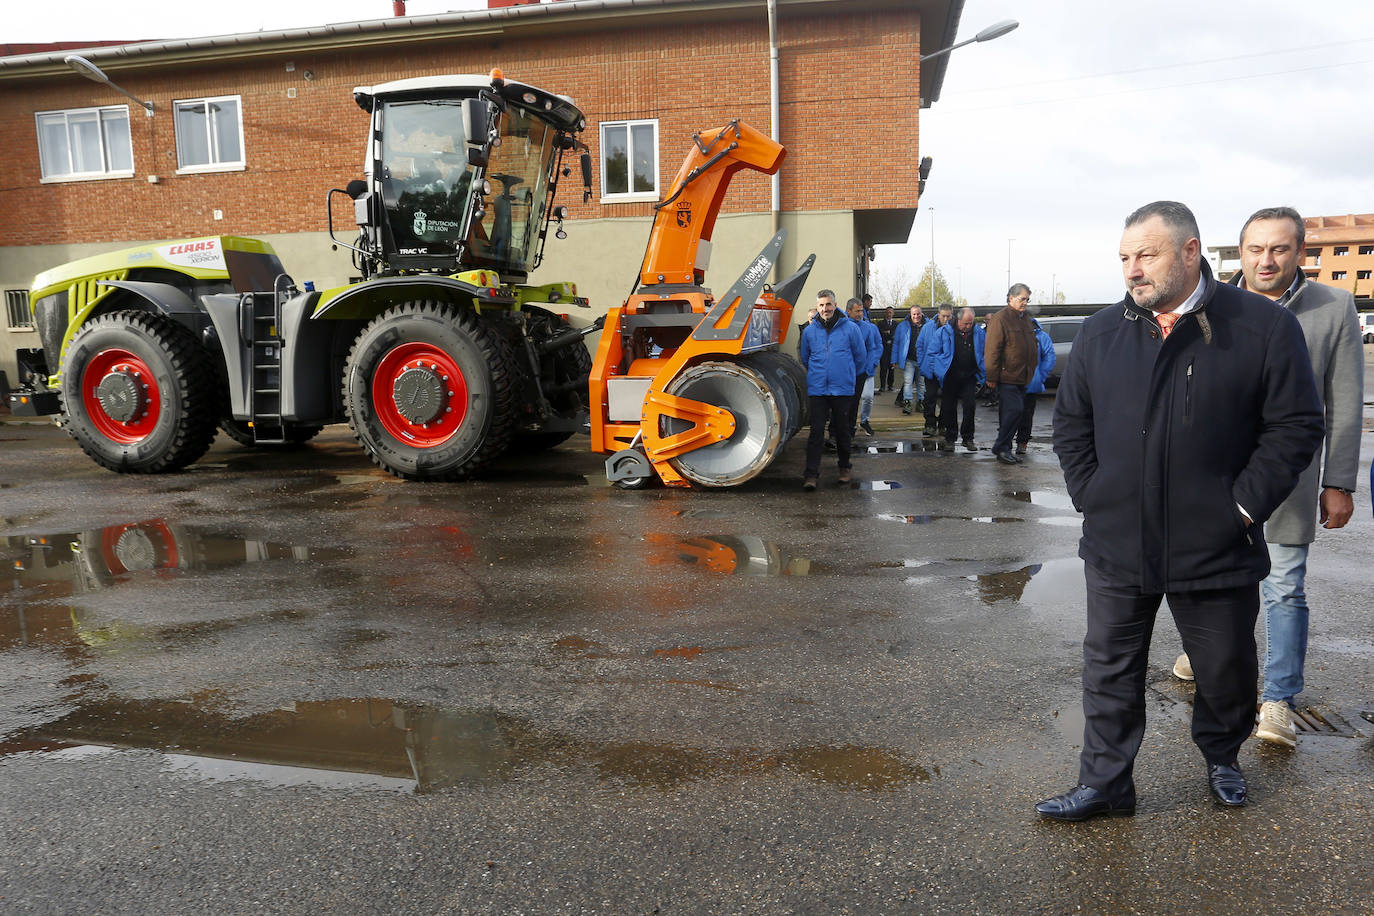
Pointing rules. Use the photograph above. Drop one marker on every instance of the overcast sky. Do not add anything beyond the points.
(1049, 135)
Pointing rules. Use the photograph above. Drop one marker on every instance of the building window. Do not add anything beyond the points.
(1338, 275)
(1314, 256)
(629, 160)
(84, 143)
(1367, 249)
(1340, 250)
(209, 134)
(17, 308)
(1364, 275)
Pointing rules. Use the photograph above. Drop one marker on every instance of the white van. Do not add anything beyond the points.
(1367, 327)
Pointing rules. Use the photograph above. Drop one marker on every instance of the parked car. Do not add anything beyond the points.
(1367, 327)
(1062, 330)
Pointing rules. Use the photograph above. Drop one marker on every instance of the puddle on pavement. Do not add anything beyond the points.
(904, 447)
(1050, 499)
(877, 485)
(738, 555)
(381, 744)
(90, 560)
(41, 569)
(930, 519)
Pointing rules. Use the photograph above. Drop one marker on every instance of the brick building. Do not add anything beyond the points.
(248, 132)
(1340, 253)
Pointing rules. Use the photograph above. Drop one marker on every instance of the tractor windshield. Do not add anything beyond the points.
(519, 171)
(425, 175)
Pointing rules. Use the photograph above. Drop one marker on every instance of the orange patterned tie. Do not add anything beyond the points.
(1166, 321)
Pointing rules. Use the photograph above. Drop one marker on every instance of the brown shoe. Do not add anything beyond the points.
(809, 484)
(844, 475)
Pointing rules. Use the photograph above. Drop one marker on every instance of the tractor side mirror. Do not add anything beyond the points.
(476, 127)
(356, 188)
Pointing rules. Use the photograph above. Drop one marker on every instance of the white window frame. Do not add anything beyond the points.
(211, 139)
(629, 196)
(44, 156)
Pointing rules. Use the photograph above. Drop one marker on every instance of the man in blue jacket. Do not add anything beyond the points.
(1184, 417)
(944, 315)
(834, 353)
(1045, 357)
(863, 394)
(904, 355)
(956, 360)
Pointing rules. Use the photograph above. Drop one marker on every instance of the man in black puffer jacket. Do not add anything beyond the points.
(1184, 418)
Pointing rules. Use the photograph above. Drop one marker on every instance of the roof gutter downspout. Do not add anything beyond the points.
(775, 180)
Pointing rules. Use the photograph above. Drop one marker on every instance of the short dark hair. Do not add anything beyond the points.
(1018, 289)
(1287, 213)
(1178, 219)
(867, 297)
(946, 306)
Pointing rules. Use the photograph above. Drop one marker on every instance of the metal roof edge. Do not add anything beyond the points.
(370, 32)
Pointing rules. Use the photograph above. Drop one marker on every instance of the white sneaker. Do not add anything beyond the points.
(1276, 724)
(1183, 669)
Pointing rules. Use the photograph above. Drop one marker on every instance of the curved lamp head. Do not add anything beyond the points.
(996, 30)
(92, 72)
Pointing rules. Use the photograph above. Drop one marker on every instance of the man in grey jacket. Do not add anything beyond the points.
(1271, 254)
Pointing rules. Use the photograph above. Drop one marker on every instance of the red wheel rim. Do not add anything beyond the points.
(115, 361)
(157, 532)
(451, 409)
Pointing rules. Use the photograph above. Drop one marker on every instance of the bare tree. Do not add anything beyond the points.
(890, 285)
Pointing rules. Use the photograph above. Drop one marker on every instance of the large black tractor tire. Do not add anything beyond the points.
(242, 433)
(139, 394)
(429, 393)
(563, 377)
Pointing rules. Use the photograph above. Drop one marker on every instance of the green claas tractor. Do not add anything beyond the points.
(438, 356)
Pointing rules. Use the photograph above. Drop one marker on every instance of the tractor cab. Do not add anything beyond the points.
(461, 173)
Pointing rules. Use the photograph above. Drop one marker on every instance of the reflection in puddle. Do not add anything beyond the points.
(381, 744)
(743, 555)
(904, 447)
(91, 560)
(1050, 499)
(877, 485)
(928, 519)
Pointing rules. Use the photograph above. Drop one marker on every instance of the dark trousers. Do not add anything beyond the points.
(885, 372)
(835, 410)
(1218, 631)
(1010, 405)
(1023, 429)
(932, 401)
(854, 405)
(963, 392)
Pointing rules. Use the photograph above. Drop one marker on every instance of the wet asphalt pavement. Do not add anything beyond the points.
(286, 682)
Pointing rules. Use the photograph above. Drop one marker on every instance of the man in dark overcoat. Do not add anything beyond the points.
(1185, 415)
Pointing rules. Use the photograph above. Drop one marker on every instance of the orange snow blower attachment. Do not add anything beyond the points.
(687, 387)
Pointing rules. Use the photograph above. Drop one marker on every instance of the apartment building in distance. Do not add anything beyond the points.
(1340, 253)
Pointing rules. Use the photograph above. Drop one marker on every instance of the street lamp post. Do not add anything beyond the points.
(95, 74)
(932, 259)
(996, 30)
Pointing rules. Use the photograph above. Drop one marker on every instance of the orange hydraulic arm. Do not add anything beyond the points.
(688, 216)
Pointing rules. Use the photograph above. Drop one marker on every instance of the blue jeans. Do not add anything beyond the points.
(1285, 622)
(910, 375)
(866, 401)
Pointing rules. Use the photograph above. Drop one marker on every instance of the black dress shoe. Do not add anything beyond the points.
(1228, 784)
(1082, 803)
(1007, 457)
(968, 444)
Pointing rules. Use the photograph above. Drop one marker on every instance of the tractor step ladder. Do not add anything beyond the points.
(266, 376)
